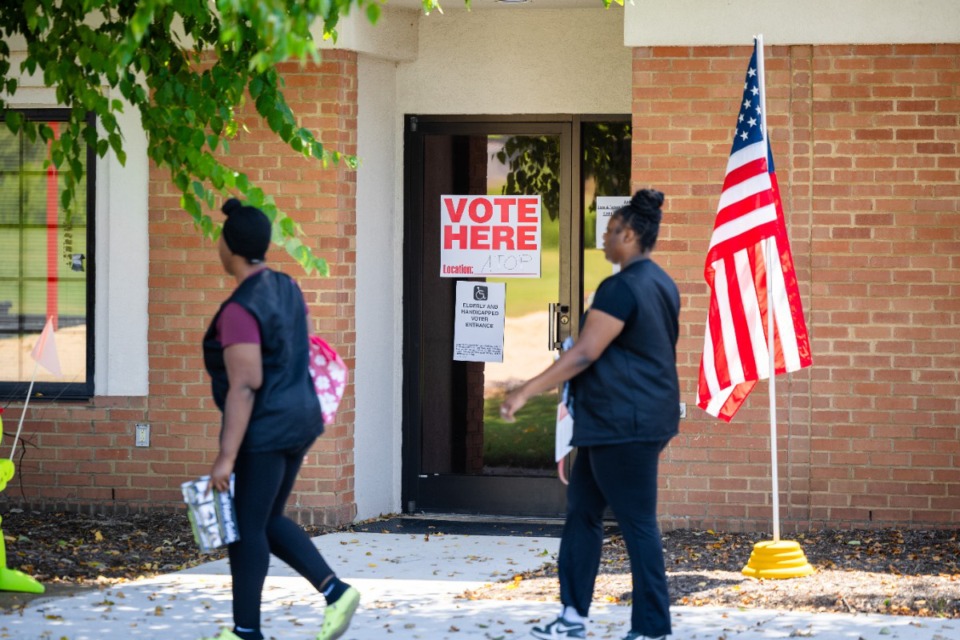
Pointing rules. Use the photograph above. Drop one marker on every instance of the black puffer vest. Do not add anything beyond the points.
(286, 412)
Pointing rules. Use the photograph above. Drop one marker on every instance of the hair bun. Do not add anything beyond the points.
(231, 206)
(646, 199)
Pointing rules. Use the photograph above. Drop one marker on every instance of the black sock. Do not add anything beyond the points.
(334, 589)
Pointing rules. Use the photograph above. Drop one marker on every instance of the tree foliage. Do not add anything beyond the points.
(187, 66)
(533, 163)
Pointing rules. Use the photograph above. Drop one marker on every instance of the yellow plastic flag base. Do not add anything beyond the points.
(777, 561)
(13, 580)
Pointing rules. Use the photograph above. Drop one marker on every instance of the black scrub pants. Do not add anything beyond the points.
(623, 476)
(263, 483)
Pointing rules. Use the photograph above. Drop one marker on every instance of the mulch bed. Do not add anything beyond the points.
(901, 572)
(890, 571)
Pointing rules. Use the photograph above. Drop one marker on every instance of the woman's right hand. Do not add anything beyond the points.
(512, 403)
(220, 473)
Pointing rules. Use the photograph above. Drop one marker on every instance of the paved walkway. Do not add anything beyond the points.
(409, 585)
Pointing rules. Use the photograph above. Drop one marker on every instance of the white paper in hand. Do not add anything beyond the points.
(564, 431)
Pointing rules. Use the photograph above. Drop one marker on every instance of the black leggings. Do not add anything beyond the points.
(263, 484)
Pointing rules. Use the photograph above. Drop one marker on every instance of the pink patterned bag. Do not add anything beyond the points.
(329, 375)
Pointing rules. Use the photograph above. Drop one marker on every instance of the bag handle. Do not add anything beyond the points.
(324, 346)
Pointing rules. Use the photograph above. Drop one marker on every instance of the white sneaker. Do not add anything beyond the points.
(559, 629)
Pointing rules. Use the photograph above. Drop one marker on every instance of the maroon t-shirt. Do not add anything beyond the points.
(236, 325)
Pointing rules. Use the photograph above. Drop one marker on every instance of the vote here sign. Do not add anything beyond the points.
(490, 236)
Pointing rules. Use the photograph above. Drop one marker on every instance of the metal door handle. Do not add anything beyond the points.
(551, 326)
(558, 323)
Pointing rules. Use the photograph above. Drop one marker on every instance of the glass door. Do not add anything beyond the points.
(459, 456)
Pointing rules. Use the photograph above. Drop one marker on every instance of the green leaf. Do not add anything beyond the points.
(191, 206)
(208, 227)
(76, 168)
(320, 265)
(292, 245)
(275, 120)
(256, 87)
(14, 120)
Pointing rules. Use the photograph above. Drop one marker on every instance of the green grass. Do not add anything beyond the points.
(527, 443)
(528, 295)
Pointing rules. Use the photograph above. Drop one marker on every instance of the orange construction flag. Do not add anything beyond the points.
(45, 351)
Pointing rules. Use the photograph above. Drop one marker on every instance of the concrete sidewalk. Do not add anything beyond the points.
(409, 584)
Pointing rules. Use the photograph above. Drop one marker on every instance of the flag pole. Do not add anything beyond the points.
(768, 262)
(776, 558)
(773, 395)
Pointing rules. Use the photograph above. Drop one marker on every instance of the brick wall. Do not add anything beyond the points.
(865, 140)
(85, 457)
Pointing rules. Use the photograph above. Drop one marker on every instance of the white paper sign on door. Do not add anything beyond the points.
(479, 321)
(490, 236)
(606, 207)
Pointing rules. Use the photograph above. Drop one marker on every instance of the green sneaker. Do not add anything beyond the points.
(337, 616)
(225, 634)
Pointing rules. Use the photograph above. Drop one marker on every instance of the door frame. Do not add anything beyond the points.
(489, 494)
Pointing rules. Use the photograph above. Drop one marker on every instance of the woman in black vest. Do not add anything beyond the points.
(626, 408)
(256, 352)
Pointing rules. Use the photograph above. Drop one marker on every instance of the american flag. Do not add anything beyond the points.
(750, 214)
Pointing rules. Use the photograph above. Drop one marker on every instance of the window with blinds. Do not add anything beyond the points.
(46, 272)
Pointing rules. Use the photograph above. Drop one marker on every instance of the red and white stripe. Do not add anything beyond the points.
(735, 354)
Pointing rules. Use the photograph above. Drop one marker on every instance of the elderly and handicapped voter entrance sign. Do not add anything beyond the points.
(606, 207)
(478, 326)
(489, 236)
